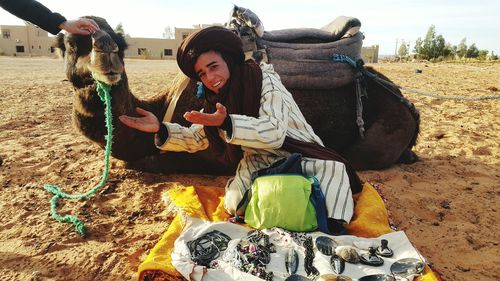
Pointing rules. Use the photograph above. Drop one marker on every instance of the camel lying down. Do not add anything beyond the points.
(391, 127)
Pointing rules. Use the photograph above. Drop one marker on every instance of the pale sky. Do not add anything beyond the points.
(383, 22)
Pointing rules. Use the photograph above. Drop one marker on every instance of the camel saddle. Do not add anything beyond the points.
(303, 57)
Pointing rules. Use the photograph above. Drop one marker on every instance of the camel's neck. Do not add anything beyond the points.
(123, 83)
(81, 81)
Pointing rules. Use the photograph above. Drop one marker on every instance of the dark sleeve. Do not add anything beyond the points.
(162, 133)
(227, 126)
(35, 13)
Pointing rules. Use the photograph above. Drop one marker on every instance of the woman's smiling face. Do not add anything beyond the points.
(212, 70)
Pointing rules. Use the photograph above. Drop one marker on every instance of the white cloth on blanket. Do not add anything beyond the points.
(261, 139)
(194, 228)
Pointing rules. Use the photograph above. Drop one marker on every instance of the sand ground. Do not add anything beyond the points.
(447, 203)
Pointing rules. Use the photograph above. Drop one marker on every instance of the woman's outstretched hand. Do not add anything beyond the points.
(215, 119)
(147, 123)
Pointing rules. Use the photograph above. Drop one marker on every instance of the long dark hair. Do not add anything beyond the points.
(240, 95)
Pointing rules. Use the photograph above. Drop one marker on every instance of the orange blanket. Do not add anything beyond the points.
(370, 220)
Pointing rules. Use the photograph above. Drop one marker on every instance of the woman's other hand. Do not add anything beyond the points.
(215, 119)
(147, 123)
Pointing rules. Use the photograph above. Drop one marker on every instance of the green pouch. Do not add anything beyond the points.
(281, 200)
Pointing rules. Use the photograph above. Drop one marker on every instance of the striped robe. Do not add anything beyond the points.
(261, 138)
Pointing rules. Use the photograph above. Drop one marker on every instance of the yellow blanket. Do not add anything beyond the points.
(370, 220)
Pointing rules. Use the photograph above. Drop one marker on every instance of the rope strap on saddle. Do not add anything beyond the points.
(384, 83)
(361, 73)
(103, 91)
(360, 87)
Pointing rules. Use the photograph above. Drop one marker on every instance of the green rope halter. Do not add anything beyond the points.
(103, 91)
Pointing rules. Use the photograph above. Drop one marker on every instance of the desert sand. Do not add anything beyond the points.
(447, 202)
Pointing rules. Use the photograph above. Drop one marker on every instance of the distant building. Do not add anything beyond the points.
(156, 48)
(30, 40)
(370, 54)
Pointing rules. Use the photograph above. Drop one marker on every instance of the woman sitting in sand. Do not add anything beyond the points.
(250, 117)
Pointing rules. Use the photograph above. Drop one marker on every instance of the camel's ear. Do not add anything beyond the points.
(120, 41)
(59, 43)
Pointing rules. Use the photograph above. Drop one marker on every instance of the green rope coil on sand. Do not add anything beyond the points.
(103, 91)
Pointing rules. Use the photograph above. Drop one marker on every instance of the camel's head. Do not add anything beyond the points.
(99, 55)
(105, 62)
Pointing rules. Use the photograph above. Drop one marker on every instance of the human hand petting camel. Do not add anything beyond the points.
(149, 123)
